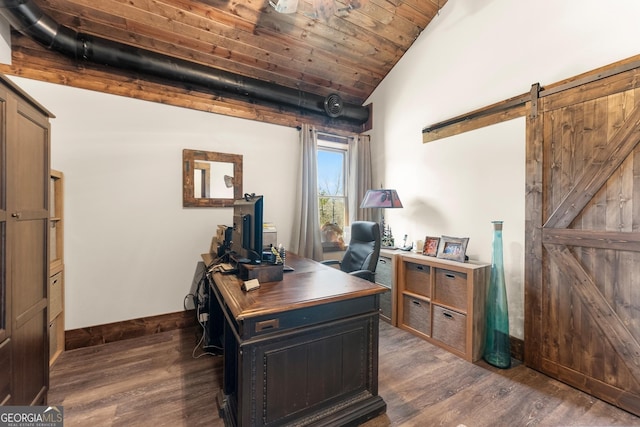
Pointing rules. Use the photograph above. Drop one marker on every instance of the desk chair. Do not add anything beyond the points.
(361, 257)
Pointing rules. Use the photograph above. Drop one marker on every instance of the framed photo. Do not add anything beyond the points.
(453, 248)
(430, 246)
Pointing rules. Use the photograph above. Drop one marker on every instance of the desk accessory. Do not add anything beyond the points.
(250, 285)
(262, 272)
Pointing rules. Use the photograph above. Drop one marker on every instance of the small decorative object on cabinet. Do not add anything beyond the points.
(453, 248)
(443, 301)
(430, 246)
(385, 276)
(56, 267)
(497, 351)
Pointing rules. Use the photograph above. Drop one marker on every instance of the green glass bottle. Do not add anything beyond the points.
(497, 351)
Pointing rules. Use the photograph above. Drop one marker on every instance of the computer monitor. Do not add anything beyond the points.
(246, 236)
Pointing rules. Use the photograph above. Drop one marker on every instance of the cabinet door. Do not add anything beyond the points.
(27, 227)
(5, 290)
(384, 277)
(306, 372)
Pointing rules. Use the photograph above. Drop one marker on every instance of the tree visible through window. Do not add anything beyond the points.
(332, 195)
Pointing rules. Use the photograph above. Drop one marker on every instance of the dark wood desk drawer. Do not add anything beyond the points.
(308, 316)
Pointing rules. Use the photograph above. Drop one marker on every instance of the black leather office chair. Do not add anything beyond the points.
(361, 257)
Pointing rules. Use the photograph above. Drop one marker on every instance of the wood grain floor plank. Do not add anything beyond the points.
(156, 381)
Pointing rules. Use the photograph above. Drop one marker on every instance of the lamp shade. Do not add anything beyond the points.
(382, 198)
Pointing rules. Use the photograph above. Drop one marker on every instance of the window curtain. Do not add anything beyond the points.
(360, 177)
(306, 233)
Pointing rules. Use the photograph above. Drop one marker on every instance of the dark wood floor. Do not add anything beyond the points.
(156, 381)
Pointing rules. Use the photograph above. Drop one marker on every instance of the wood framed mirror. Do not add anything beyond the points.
(210, 179)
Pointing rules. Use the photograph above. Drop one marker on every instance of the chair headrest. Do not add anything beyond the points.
(365, 231)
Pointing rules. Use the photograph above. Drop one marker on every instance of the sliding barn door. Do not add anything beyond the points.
(582, 292)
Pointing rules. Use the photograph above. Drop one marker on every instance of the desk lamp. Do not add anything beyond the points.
(382, 198)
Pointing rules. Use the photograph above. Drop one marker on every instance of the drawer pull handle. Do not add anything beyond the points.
(382, 261)
(414, 302)
(450, 276)
(447, 315)
(420, 267)
(267, 324)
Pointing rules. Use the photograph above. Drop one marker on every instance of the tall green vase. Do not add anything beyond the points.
(497, 351)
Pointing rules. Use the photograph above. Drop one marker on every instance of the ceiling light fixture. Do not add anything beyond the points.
(325, 9)
(285, 6)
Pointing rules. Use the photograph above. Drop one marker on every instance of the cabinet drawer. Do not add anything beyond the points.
(417, 278)
(416, 314)
(449, 327)
(383, 271)
(385, 305)
(451, 288)
(55, 295)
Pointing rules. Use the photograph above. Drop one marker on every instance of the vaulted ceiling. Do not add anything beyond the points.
(277, 64)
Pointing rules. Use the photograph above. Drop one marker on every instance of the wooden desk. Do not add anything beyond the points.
(302, 351)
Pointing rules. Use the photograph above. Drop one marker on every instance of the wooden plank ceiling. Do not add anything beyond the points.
(348, 53)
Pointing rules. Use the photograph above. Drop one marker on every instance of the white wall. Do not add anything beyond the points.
(5, 41)
(475, 53)
(131, 249)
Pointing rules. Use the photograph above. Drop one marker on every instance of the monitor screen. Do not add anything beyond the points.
(246, 236)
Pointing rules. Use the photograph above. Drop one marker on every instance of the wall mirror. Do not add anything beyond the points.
(210, 179)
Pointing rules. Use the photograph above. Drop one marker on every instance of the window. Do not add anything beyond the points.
(333, 161)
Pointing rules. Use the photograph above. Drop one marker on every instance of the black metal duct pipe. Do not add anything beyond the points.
(26, 17)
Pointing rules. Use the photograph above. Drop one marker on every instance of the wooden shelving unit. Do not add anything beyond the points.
(56, 267)
(443, 302)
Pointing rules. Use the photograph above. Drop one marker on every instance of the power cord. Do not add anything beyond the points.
(200, 302)
(201, 341)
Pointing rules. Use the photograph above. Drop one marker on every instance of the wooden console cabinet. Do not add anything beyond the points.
(443, 302)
